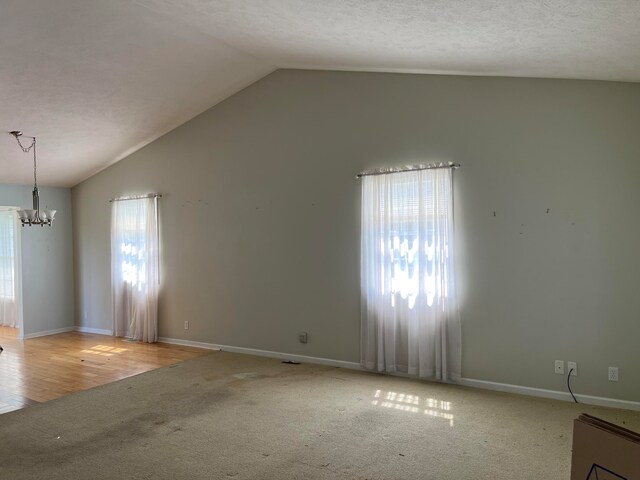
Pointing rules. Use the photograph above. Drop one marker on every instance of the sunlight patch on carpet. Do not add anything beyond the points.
(413, 404)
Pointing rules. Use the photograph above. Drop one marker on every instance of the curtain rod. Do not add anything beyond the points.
(136, 197)
(413, 168)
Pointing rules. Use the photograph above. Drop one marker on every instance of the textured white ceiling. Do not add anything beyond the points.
(96, 79)
(590, 39)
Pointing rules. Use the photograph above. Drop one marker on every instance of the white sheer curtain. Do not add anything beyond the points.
(134, 269)
(9, 269)
(410, 318)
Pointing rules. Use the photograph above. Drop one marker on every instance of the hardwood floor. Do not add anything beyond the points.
(44, 368)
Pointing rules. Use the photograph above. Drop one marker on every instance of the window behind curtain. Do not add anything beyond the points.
(9, 269)
(414, 210)
(132, 243)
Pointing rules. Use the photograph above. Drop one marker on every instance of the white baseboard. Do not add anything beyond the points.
(26, 336)
(265, 353)
(188, 343)
(468, 382)
(97, 331)
(554, 394)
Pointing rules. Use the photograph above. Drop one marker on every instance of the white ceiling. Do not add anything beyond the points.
(94, 80)
(97, 79)
(594, 39)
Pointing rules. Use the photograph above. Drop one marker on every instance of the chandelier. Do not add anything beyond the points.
(33, 216)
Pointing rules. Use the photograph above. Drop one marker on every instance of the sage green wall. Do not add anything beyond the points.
(260, 217)
(47, 260)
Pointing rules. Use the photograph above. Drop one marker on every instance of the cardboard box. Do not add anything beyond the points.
(604, 451)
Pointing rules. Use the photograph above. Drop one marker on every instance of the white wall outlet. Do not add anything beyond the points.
(572, 366)
(613, 374)
(186, 324)
(559, 368)
(302, 337)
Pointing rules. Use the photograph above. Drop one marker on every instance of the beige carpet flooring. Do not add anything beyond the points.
(227, 415)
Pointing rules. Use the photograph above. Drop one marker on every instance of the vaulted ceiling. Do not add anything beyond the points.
(95, 80)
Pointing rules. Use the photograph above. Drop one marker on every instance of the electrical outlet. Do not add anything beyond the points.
(559, 368)
(302, 337)
(186, 324)
(613, 374)
(572, 366)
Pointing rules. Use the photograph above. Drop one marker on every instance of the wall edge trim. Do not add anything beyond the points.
(44, 333)
(553, 394)
(264, 353)
(97, 331)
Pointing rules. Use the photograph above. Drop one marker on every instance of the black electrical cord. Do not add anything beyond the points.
(569, 386)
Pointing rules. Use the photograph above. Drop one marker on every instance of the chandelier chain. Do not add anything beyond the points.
(35, 165)
(26, 149)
